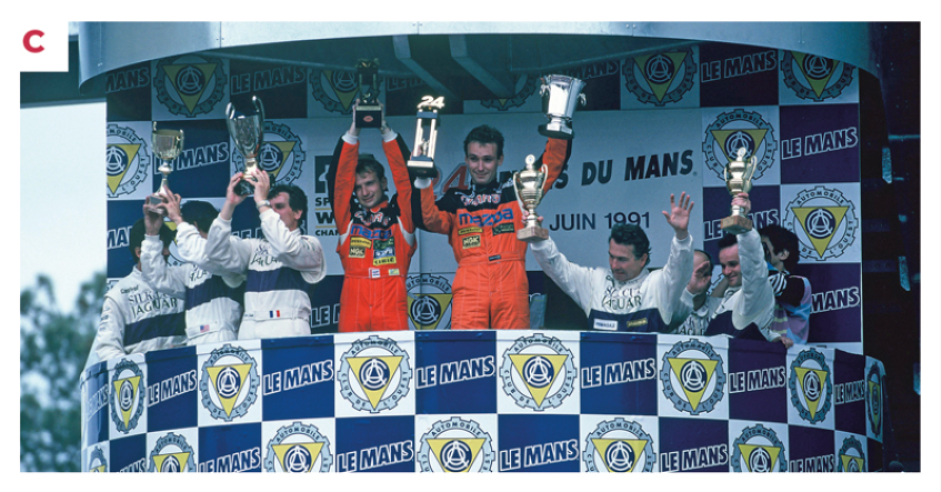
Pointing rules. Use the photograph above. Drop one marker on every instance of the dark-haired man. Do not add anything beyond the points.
(377, 235)
(490, 287)
(213, 303)
(792, 292)
(745, 310)
(627, 296)
(135, 318)
(281, 269)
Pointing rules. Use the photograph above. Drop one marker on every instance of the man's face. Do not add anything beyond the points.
(369, 190)
(621, 258)
(729, 258)
(290, 217)
(770, 255)
(482, 161)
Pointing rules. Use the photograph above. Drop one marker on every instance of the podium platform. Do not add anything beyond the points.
(485, 401)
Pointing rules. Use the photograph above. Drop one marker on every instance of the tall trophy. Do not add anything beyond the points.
(247, 131)
(167, 146)
(369, 111)
(738, 175)
(560, 96)
(422, 161)
(528, 184)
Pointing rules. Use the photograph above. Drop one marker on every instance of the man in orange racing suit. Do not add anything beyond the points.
(377, 236)
(490, 287)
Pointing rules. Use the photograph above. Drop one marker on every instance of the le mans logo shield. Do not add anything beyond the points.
(298, 448)
(127, 397)
(810, 385)
(660, 78)
(538, 372)
(456, 446)
(229, 383)
(692, 376)
(190, 85)
(428, 299)
(127, 160)
(759, 450)
(281, 154)
(815, 77)
(875, 400)
(336, 89)
(374, 374)
(619, 446)
(824, 221)
(97, 463)
(739, 129)
(172, 454)
(851, 456)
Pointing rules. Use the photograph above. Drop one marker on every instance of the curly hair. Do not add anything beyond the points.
(485, 134)
(634, 236)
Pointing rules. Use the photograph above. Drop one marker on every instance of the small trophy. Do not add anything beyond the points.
(738, 176)
(529, 187)
(369, 111)
(422, 161)
(560, 96)
(167, 146)
(247, 131)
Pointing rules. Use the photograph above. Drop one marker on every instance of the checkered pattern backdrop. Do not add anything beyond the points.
(653, 125)
(490, 401)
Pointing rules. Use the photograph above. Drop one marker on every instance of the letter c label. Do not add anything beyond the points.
(27, 41)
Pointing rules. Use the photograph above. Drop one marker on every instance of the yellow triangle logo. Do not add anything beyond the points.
(538, 393)
(98, 469)
(443, 300)
(636, 445)
(756, 134)
(852, 464)
(190, 100)
(437, 445)
(820, 243)
(130, 150)
(313, 449)
(375, 394)
(229, 402)
(747, 449)
(822, 377)
(180, 457)
(285, 146)
(135, 381)
(660, 88)
(346, 97)
(817, 85)
(694, 397)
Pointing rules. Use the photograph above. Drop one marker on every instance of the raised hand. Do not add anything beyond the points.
(679, 218)
(231, 196)
(700, 281)
(742, 200)
(171, 206)
(262, 184)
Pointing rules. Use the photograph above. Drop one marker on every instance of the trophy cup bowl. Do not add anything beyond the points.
(369, 111)
(738, 175)
(560, 94)
(422, 161)
(528, 184)
(168, 144)
(247, 131)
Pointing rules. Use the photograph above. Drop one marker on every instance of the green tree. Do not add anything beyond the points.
(53, 349)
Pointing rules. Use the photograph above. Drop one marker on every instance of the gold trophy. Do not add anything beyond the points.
(369, 111)
(247, 131)
(167, 146)
(422, 161)
(528, 184)
(738, 176)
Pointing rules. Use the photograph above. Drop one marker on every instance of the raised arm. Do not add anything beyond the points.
(157, 273)
(679, 268)
(341, 177)
(397, 154)
(574, 280)
(555, 156)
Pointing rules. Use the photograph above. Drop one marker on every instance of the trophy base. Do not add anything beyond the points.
(369, 116)
(532, 234)
(422, 169)
(736, 224)
(556, 129)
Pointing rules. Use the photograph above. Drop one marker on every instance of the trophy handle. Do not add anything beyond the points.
(751, 168)
(230, 112)
(545, 171)
(259, 106)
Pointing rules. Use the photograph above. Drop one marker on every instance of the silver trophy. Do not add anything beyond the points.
(560, 96)
(738, 175)
(528, 184)
(422, 161)
(167, 146)
(247, 131)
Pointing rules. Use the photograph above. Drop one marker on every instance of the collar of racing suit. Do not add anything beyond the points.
(635, 282)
